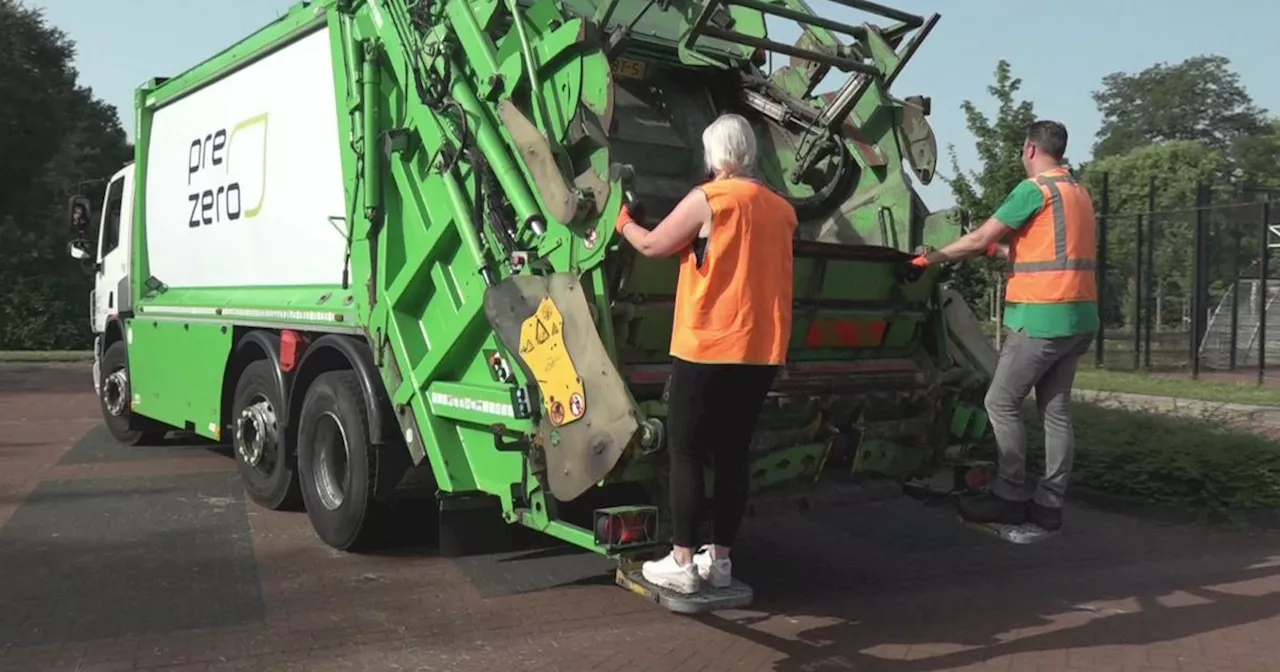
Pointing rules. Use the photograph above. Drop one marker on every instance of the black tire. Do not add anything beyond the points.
(267, 464)
(114, 397)
(336, 462)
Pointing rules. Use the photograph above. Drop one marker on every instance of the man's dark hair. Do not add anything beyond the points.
(1050, 137)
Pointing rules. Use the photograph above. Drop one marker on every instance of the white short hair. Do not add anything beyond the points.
(729, 145)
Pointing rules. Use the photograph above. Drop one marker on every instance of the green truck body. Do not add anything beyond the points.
(371, 246)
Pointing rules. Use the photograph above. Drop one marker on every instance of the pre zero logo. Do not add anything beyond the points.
(227, 173)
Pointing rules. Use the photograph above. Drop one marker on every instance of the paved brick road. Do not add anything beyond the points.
(115, 559)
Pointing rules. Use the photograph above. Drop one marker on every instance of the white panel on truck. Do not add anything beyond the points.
(244, 177)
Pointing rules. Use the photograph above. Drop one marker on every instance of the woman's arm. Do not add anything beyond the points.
(671, 234)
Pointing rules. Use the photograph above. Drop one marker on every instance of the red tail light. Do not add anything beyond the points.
(291, 346)
(621, 527)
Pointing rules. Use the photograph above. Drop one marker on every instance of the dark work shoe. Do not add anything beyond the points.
(988, 508)
(1046, 517)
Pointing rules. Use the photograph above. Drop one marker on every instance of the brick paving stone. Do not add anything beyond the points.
(97, 447)
(891, 586)
(107, 558)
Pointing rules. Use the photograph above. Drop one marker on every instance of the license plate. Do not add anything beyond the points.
(627, 68)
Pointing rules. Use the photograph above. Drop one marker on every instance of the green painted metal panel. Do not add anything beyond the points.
(175, 372)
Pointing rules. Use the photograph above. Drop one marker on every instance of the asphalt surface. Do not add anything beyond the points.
(152, 558)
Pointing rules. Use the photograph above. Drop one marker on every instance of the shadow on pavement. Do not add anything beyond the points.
(1108, 580)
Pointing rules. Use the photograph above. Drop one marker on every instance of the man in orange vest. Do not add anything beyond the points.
(1051, 314)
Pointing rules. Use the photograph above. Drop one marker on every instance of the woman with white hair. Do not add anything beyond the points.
(730, 336)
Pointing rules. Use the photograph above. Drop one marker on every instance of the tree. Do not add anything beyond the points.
(58, 134)
(1200, 99)
(1257, 158)
(1185, 124)
(999, 146)
(1178, 167)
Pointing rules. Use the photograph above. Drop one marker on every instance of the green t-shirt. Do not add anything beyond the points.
(1049, 320)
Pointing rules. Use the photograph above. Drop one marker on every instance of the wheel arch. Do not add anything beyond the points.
(251, 346)
(332, 352)
(114, 333)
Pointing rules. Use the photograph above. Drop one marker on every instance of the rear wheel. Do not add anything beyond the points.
(115, 398)
(336, 462)
(266, 464)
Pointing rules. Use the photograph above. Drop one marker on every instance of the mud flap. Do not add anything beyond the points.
(1026, 533)
(585, 420)
(736, 596)
(966, 333)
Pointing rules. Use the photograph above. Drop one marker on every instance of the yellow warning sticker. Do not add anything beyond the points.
(542, 348)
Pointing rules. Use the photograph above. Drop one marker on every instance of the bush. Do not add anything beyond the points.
(1200, 463)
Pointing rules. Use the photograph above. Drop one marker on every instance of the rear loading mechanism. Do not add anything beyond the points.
(439, 306)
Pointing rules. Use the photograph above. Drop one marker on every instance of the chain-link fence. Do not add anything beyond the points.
(1190, 290)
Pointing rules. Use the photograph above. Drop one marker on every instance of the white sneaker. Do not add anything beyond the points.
(667, 573)
(718, 572)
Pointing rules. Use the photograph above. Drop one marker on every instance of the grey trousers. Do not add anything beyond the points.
(1049, 367)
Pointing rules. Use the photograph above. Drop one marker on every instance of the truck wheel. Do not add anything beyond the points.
(266, 464)
(336, 463)
(115, 398)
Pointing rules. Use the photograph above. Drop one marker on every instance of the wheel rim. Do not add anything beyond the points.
(256, 435)
(115, 392)
(330, 467)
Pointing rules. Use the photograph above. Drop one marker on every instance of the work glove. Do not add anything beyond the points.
(913, 269)
(624, 216)
(632, 211)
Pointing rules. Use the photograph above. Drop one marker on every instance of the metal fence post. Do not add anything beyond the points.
(1137, 294)
(1199, 282)
(1235, 292)
(1153, 284)
(1262, 295)
(1105, 204)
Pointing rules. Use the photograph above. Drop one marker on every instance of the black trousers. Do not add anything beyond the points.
(712, 408)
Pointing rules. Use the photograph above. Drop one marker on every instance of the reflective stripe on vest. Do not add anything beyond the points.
(1067, 273)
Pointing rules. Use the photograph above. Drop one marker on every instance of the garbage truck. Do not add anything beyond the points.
(370, 246)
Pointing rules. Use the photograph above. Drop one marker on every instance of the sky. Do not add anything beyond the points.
(1061, 51)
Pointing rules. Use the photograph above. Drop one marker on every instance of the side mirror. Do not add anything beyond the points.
(79, 214)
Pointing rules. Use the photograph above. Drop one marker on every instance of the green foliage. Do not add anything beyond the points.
(999, 146)
(1185, 124)
(1198, 463)
(63, 135)
(1178, 166)
(1257, 157)
(1178, 386)
(1199, 100)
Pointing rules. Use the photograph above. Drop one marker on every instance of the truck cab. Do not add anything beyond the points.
(110, 258)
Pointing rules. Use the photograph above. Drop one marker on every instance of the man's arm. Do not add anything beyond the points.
(1023, 203)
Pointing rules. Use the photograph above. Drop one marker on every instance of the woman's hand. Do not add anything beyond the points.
(624, 218)
(673, 233)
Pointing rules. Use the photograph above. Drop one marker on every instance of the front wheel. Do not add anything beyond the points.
(336, 462)
(115, 397)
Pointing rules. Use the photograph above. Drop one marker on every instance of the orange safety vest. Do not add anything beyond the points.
(723, 313)
(1053, 257)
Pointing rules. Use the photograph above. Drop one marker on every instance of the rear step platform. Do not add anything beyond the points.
(1026, 533)
(708, 599)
